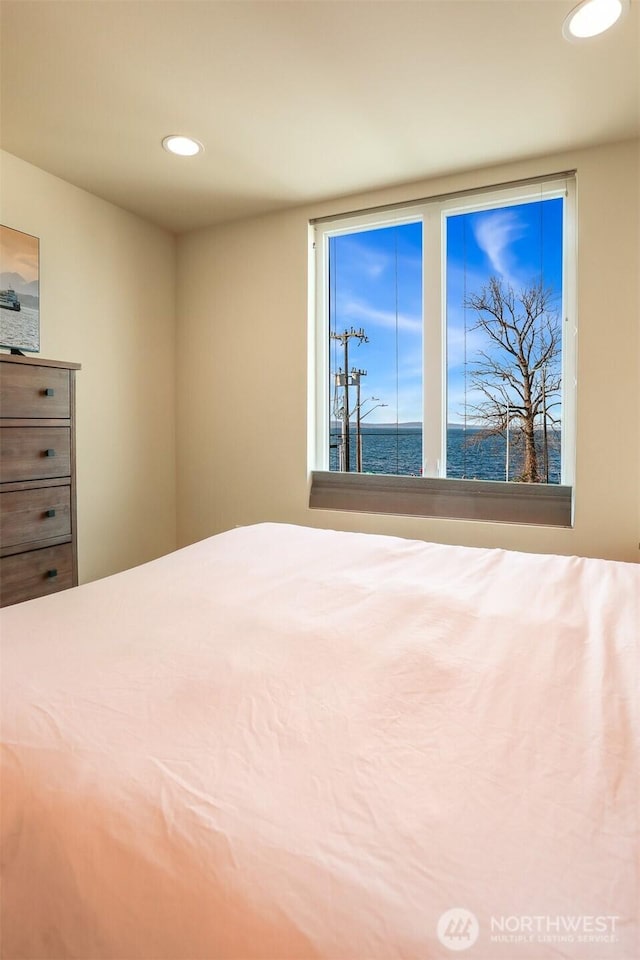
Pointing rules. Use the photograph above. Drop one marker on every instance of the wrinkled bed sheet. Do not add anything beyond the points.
(290, 743)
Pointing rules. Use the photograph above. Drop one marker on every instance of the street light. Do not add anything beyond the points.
(361, 417)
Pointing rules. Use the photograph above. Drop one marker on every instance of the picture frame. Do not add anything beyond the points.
(19, 290)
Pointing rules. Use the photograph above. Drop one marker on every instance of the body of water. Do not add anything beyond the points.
(20, 328)
(391, 450)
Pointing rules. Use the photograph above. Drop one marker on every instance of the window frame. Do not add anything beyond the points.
(468, 499)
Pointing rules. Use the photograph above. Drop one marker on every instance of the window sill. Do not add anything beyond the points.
(496, 501)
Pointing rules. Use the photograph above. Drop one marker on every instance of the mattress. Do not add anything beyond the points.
(290, 743)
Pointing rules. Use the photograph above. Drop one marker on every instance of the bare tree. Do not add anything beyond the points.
(518, 375)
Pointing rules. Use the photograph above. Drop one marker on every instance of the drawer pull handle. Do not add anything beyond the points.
(52, 573)
(49, 453)
(49, 392)
(50, 513)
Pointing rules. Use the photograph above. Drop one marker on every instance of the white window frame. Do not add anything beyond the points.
(433, 214)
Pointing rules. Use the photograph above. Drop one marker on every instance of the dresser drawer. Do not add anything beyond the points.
(34, 453)
(30, 515)
(34, 391)
(35, 574)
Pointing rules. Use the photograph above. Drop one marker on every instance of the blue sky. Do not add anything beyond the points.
(376, 283)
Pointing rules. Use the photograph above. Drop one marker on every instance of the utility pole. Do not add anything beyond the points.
(506, 462)
(344, 380)
(544, 424)
(355, 381)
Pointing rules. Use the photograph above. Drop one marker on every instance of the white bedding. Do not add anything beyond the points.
(294, 743)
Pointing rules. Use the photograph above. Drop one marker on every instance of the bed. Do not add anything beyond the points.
(292, 743)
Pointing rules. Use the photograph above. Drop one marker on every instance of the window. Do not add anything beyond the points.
(444, 356)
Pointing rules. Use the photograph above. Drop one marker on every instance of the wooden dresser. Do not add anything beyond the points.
(38, 552)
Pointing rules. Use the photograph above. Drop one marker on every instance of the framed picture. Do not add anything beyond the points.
(19, 290)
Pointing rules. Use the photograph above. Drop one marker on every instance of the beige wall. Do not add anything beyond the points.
(108, 288)
(107, 285)
(242, 369)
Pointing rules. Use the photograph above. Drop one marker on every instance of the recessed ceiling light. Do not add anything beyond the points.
(592, 17)
(182, 146)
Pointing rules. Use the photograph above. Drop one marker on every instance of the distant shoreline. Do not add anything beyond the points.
(411, 426)
(336, 426)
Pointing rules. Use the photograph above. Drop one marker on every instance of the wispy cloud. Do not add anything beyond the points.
(360, 312)
(357, 258)
(463, 343)
(494, 233)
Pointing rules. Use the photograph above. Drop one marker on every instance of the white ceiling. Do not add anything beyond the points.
(299, 101)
